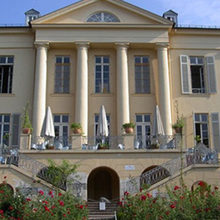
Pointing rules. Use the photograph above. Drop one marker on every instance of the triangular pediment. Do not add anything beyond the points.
(79, 12)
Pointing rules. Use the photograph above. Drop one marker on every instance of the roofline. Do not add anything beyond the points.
(121, 3)
(196, 28)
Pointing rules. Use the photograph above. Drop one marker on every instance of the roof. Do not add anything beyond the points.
(32, 11)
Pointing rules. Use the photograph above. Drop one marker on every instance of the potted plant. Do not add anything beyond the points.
(76, 128)
(103, 146)
(178, 126)
(26, 127)
(197, 139)
(128, 127)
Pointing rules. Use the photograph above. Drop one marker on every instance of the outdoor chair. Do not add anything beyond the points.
(121, 146)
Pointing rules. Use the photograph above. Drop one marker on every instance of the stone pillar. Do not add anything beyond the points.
(77, 141)
(128, 141)
(81, 111)
(25, 141)
(40, 88)
(123, 108)
(164, 87)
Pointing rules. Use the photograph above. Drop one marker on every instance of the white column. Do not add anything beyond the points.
(164, 87)
(123, 108)
(81, 111)
(40, 88)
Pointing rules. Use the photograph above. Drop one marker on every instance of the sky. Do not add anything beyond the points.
(190, 12)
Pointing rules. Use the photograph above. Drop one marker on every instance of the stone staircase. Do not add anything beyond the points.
(96, 214)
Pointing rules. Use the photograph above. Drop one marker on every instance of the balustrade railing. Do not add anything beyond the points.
(198, 155)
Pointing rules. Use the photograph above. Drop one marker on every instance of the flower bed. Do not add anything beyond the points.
(203, 202)
(45, 205)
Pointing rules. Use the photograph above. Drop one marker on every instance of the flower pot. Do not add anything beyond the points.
(77, 131)
(26, 130)
(129, 130)
(178, 130)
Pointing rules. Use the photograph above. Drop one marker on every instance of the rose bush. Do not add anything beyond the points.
(50, 205)
(203, 202)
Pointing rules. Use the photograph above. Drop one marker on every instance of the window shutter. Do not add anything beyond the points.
(185, 75)
(210, 69)
(15, 130)
(215, 131)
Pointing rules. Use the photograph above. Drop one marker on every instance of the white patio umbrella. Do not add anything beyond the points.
(48, 126)
(157, 123)
(102, 130)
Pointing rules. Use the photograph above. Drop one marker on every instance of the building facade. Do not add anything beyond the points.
(115, 54)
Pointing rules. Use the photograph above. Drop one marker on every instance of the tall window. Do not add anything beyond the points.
(61, 126)
(143, 129)
(142, 74)
(4, 129)
(6, 74)
(102, 73)
(62, 74)
(197, 74)
(201, 128)
(102, 17)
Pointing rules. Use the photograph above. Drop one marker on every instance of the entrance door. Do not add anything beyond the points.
(103, 182)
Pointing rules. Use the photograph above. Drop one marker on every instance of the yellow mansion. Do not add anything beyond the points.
(110, 53)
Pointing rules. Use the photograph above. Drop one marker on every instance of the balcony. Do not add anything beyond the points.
(111, 143)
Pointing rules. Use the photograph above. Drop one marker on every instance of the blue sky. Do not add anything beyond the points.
(194, 12)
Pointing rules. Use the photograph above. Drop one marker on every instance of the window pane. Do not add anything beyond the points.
(200, 60)
(138, 118)
(98, 60)
(2, 59)
(57, 131)
(204, 117)
(145, 59)
(96, 118)
(66, 59)
(10, 59)
(7, 118)
(197, 118)
(65, 118)
(56, 118)
(58, 59)
(193, 60)
(105, 59)
(147, 118)
(0, 118)
(137, 60)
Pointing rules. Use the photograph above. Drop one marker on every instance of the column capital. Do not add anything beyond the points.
(44, 44)
(122, 44)
(80, 44)
(162, 45)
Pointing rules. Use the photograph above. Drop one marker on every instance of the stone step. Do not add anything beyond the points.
(101, 217)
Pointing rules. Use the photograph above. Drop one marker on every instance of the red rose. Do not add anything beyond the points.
(10, 207)
(126, 193)
(201, 183)
(53, 207)
(61, 203)
(50, 193)
(41, 192)
(176, 187)
(167, 212)
(143, 197)
(81, 206)
(28, 199)
(216, 187)
(172, 206)
(1, 211)
(149, 195)
(5, 177)
(59, 194)
(46, 208)
(64, 215)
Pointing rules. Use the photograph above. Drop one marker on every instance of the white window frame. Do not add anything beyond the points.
(61, 125)
(10, 76)
(142, 64)
(102, 17)
(201, 129)
(203, 89)
(61, 89)
(102, 64)
(143, 124)
(3, 132)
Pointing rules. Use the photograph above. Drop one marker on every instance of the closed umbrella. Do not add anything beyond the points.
(102, 130)
(157, 123)
(48, 126)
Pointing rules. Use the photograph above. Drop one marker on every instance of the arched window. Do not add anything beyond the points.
(102, 17)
